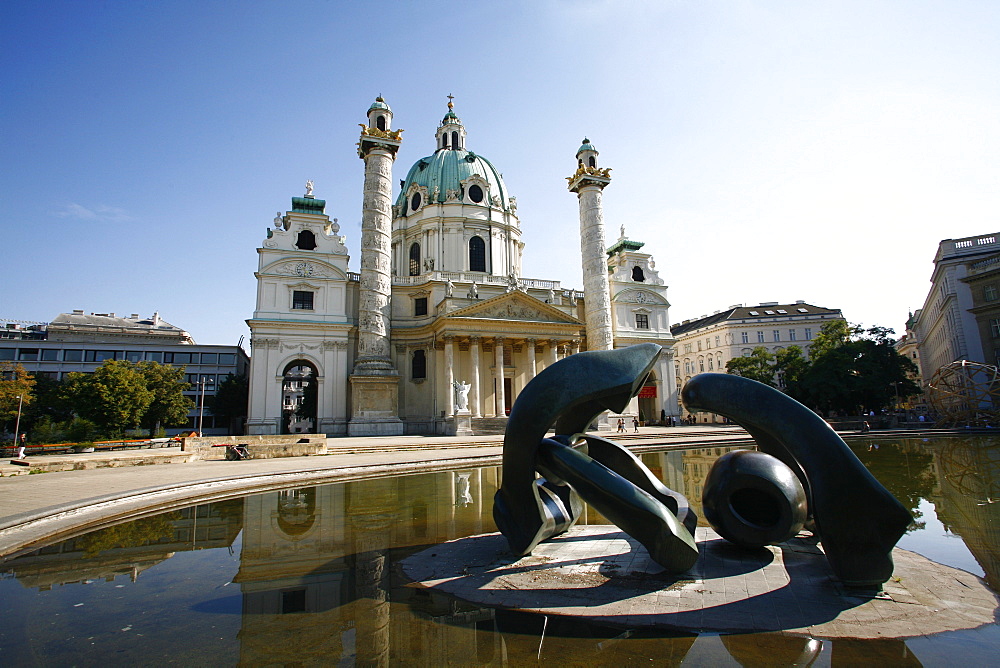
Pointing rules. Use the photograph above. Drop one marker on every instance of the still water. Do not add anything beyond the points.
(307, 577)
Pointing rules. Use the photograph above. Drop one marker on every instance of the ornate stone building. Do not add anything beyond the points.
(440, 300)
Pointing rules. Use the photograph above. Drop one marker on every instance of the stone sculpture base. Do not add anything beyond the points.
(375, 405)
(601, 574)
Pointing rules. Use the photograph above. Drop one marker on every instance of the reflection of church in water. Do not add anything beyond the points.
(439, 300)
(317, 574)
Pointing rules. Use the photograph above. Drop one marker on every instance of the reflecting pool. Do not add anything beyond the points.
(308, 576)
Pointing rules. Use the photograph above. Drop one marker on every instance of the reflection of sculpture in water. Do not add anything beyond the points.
(461, 395)
(463, 496)
(858, 520)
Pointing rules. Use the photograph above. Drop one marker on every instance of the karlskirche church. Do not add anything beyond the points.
(439, 330)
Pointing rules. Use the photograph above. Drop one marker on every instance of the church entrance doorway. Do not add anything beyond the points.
(508, 395)
(648, 411)
(298, 398)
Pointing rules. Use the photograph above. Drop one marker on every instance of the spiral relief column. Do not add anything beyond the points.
(374, 381)
(588, 183)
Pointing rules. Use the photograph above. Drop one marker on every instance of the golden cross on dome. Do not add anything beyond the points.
(451, 105)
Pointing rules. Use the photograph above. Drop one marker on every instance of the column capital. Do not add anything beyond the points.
(373, 139)
(592, 177)
(474, 340)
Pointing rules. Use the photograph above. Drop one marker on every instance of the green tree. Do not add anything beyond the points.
(856, 370)
(790, 364)
(831, 336)
(168, 406)
(114, 396)
(230, 401)
(758, 365)
(16, 392)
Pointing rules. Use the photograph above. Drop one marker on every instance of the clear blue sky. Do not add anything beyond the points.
(764, 151)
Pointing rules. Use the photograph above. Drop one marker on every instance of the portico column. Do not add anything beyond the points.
(449, 374)
(531, 359)
(553, 352)
(574, 346)
(498, 375)
(474, 381)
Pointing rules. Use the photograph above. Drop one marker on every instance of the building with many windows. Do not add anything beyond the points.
(960, 317)
(81, 342)
(705, 344)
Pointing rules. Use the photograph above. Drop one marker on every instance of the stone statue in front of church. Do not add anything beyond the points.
(461, 396)
(309, 188)
(474, 291)
(449, 288)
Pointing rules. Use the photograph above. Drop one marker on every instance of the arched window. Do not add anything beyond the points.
(637, 274)
(415, 202)
(415, 260)
(593, 161)
(306, 240)
(477, 253)
(454, 139)
(380, 123)
(444, 140)
(475, 193)
(418, 365)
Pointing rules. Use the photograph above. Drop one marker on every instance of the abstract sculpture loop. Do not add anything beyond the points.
(570, 394)
(804, 470)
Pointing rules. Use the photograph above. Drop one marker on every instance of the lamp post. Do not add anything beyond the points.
(17, 423)
(201, 407)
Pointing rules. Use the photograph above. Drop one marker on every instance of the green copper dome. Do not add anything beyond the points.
(587, 146)
(446, 170)
(379, 103)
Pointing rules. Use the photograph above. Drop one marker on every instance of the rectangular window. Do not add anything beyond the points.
(227, 359)
(180, 358)
(760, 337)
(745, 336)
(99, 355)
(716, 342)
(777, 334)
(51, 375)
(420, 306)
(809, 334)
(27, 354)
(791, 335)
(642, 321)
(687, 347)
(302, 300)
(995, 327)
(50, 354)
(154, 357)
(133, 355)
(210, 358)
(990, 293)
(6, 354)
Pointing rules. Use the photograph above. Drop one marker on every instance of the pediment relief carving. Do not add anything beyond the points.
(638, 296)
(302, 268)
(514, 306)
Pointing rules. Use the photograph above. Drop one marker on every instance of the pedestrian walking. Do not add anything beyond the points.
(20, 446)
(635, 424)
(621, 425)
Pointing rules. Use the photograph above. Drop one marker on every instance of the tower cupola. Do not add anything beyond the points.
(380, 115)
(450, 133)
(586, 155)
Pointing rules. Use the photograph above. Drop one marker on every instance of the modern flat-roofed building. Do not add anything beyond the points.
(81, 342)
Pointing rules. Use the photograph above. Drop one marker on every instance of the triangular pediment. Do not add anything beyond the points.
(514, 306)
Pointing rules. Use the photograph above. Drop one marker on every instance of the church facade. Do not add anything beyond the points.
(439, 331)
